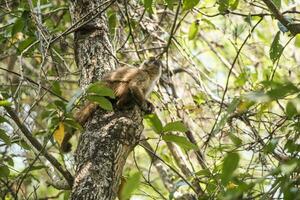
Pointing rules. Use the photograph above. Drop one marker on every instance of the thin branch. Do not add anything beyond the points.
(89, 18)
(35, 83)
(173, 30)
(130, 31)
(227, 81)
(294, 28)
(172, 168)
(37, 145)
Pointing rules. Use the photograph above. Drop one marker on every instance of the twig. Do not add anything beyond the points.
(172, 168)
(227, 81)
(172, 32)
(294, 28)
(36, 144)
(130, 30)
(35, 83)
(77, 24)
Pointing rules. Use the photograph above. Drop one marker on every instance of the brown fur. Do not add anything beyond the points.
(129, 85)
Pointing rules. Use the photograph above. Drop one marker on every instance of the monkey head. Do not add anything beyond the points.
(153, 66)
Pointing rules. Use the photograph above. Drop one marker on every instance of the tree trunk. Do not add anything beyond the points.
(108, 137)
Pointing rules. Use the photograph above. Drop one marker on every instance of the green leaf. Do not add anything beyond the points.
(276, 48)
(297, 40)
(2, 120)
(291, 146)
(277, 3)
(199, 98)
(170, 4)
(236, 140)
(180, 141)
(72, 124)
(241, 79)
(132, 183)
(288, 167)
(112, 21)
(18, 26)
(282, 28)
(67, 195)
(56, 88)
(148, 6)
(5, 103)
(223, 5)
(100, 89)
(193, 30)
(21, 23)
(175, 126)
(102, 101)
(282, 90)
(34, 168)
(5, 138)
(230, 163)
(4, 171)
(291, 109)
(270, 146)
(24, 145)
(189, 4)
(26, 43)
(203, 172)
(209, 23)
(73, 100)
(60, 104)
(231, 108)
(9, 160)
(233, 4)
(154, 122)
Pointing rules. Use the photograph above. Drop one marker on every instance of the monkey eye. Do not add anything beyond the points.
(154, 62)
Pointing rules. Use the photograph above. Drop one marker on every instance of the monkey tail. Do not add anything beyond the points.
(66, 148)
(81, 117)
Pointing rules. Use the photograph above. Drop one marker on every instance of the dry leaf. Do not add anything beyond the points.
(59, 133)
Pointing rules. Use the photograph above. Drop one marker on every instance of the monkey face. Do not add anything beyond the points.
(155, 62)
(153, 65)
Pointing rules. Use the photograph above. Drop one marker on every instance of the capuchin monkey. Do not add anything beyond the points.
(131, 86)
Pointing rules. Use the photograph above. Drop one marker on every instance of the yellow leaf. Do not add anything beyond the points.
(17, 37)
(59, 133)
(231, 185)
(244, 106)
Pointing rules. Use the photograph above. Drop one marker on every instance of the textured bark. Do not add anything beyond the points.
(109, 136)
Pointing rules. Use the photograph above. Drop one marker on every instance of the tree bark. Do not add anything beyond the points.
(108, 137)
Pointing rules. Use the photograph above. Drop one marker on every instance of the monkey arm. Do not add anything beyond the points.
(138, 96)
(138, 87)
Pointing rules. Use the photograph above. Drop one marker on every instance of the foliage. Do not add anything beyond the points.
(227, 109)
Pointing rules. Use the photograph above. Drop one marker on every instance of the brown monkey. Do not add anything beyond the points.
(130, 85)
